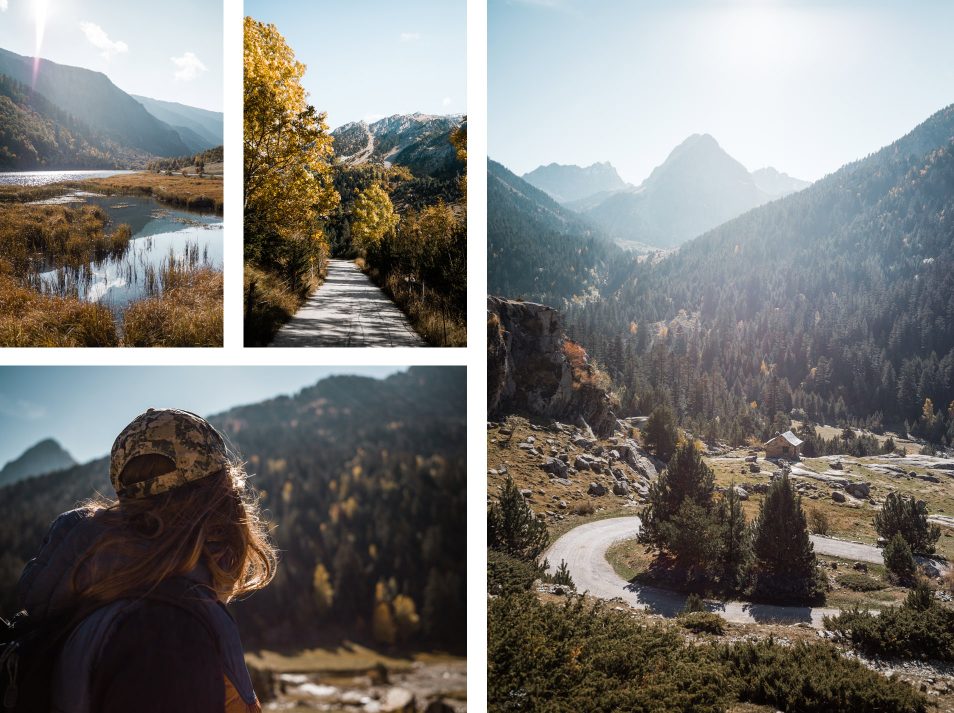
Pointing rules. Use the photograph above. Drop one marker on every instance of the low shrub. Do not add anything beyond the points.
(578, 656)
(814, 678)
(907, 631)
(702, 622)
(583, 508)
(860, 582)
(509, 575)
(560, 576)
(269, 303)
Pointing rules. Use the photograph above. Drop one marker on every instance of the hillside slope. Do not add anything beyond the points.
(94, 100)
(43, 457)
(539, 250)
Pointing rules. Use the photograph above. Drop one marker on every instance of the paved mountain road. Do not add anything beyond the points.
(348, 310)
(584, 551)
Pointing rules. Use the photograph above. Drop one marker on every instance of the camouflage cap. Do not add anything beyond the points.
(189, 441)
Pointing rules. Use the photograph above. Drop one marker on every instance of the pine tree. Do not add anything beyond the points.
(785, 565)
(660, 434)
(687, 477)
(735, 549)
(907, 517)
(898, 559)
(513, 528)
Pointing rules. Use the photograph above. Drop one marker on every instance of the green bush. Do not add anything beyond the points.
(702, 622)
(560, 576)
(694, 603)
(898, 558)
(908, 631)
(860, 582)
(507, 574)
(581, 657)
(814, 678)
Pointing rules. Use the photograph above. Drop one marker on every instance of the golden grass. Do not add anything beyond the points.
(430, 319)
(185, 311)
(185, 191)
(269, 303)
(30, 319)
(57, 236)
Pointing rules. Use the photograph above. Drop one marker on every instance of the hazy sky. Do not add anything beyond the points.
(373, 58)
(85, 408)
(804, 86)
(169, 50)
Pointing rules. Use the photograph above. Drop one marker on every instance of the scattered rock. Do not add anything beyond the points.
(398, 700)
(860, 566)
(596, 489)
(741, 492)
(556, 467)
(838, 496)
(620, 488)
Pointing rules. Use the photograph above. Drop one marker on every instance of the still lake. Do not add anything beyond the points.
(42, 178)
(159, 233)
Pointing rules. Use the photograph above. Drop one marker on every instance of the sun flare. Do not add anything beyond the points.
(41, 10)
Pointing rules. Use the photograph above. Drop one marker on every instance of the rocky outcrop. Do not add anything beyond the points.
(533, 369)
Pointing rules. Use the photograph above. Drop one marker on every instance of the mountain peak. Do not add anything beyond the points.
(43, 457)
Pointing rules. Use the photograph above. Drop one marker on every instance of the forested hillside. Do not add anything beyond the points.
(364, 481)
(538, 250)
(36, 134)
(94, 100)
(837, 300)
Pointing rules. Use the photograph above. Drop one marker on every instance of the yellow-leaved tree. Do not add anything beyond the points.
(373, 217)
(287, 159)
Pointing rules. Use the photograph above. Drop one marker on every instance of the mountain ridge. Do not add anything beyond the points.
(45, 456)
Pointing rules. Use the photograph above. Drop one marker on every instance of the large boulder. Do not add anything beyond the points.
(859, 490)
(532, 368)
(556, 467)
(596, 489)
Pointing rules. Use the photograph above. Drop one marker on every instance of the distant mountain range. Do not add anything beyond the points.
(568, 184)
(698, 187)
(44, 457)
(43, 120)
(421, 142)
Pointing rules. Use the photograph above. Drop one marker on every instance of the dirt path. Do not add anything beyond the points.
(348, 310)
(584, 550)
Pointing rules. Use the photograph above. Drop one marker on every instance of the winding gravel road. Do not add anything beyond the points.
(348, 310)
(584, 550)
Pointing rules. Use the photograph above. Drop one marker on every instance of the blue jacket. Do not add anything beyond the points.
(132, 644)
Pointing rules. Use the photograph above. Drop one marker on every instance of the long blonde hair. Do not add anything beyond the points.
(215, 522)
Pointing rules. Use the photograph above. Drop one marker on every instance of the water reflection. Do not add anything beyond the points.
(160, 236)
(42, 178)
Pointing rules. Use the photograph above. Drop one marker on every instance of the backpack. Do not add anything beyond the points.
(29, 648)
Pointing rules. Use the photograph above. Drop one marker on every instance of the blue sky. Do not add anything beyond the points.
(373, 58)
(170, 50)
(85, 408)
(802, 86)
